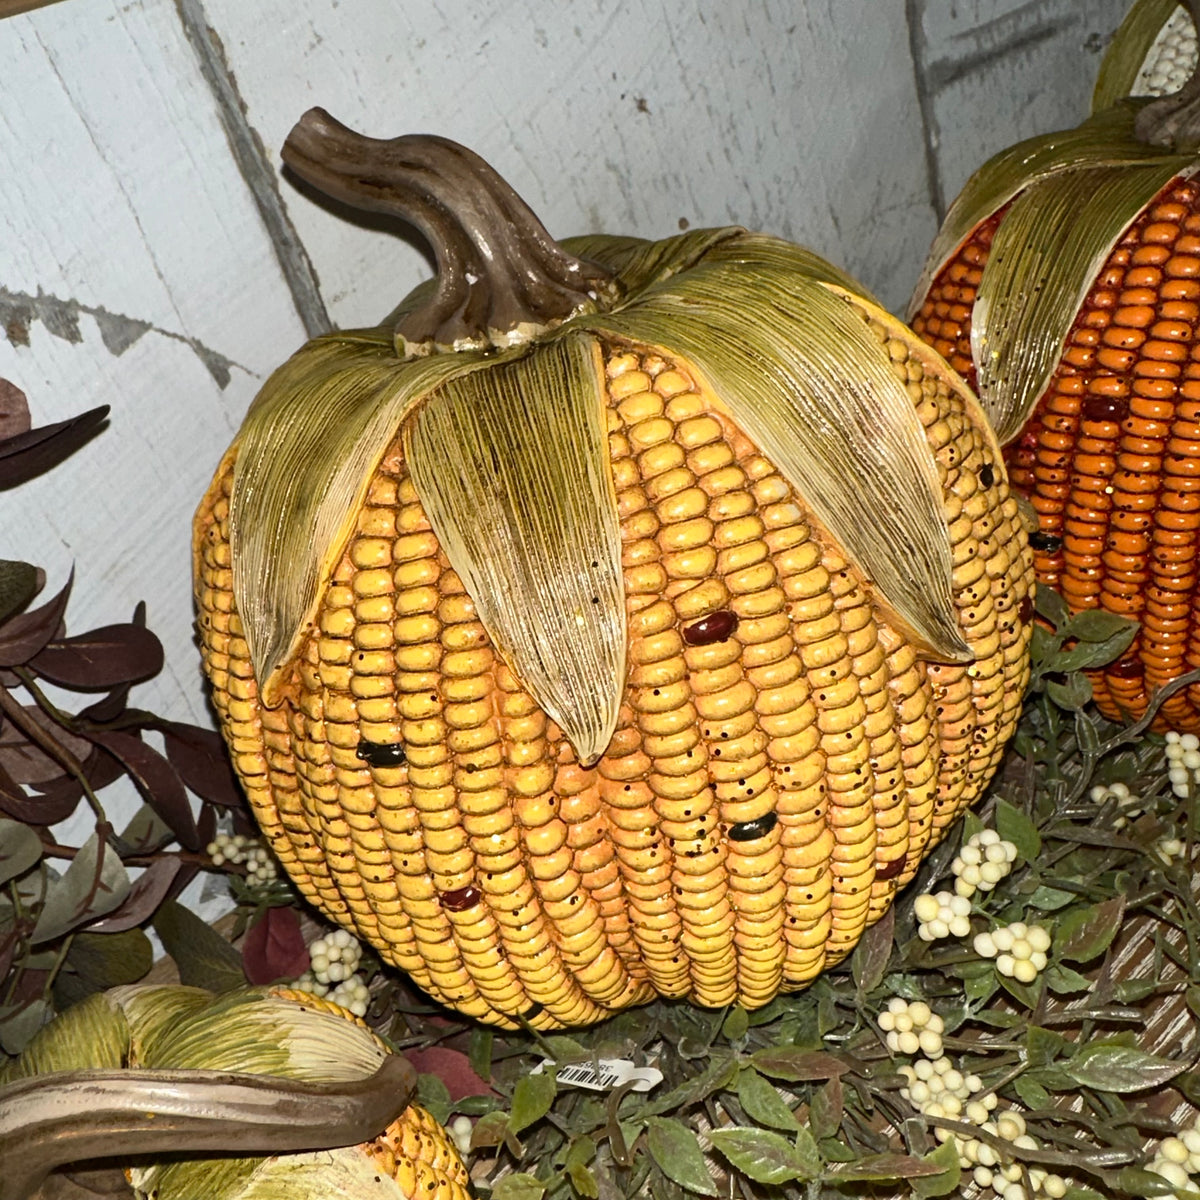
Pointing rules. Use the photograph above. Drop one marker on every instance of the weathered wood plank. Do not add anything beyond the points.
(623, 116)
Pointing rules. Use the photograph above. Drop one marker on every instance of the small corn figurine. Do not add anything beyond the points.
(625, 618)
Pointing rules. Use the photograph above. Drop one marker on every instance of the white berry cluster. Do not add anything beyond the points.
(333, 960)
(937, 1088)
(941, 915)
(460, 1130)
(1006, 1180)
(1183, 761)
(982, 863)
(1177, 1158)
(1128, 804)
(261, 866)
(1169, 64)
(1019, 949)
(912, 1027)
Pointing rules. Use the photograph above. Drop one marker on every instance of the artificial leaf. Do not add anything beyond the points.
(518, 1186)
(94, 884)
(1043, 1045)
(149, 890)
(1117, 1068)
(204, 958)
(1064, 981)
(531, 1100)
(14, 411)
(766, 1157)
(945, 1157)
(1031, 1093)
(1085, 656)
(1072, 694)
(274, 947)
(145, 833)
(762, 1102)
(489, 1130)
(1083, 933)
(19, 1022)
(156, 779)
(736, 1025)
(20, 849)
(19, 583)
(1098, 625)
(479, 1052)
(202, 761)
(1014, 826)
(883, 1166)
(35, 451)
(795, 1065)
(869, 961)
(52, 801)
(101, 658)
(1050, 605)
(433, 1096)
(825, 1109)
(97, 961)
(676, 1151)
(452, 1067)
(22, 636)
(719, 1074)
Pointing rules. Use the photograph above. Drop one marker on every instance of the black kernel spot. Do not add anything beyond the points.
(1046, 542)
(380, 754)
(747, 831)
(986, 475)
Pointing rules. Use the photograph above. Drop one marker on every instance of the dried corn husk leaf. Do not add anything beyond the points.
(863, 464)
(1130, 45)
(1106, 139)
(305, 456)
(92, 1033)
(1044, 259)
(511, 465)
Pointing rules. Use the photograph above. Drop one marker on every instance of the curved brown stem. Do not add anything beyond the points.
(47, 1121)
(502, 278)
(1173, 122)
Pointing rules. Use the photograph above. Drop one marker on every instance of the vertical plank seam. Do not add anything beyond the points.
(929, 131)
(255, 167)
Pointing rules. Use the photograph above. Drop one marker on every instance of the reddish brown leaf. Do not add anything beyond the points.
(19, 583)
(47, 805)
(452, 1067)
(148, 892)
(101, 658)
(274, 947)
(156, 779)
(22, 636)
(14, 411)
(26, 762)
(35, 451)
(200, 757)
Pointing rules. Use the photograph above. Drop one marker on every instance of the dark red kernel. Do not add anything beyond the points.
(1105, 408)
(381, 754)
(719, 626)
(747, 831)
(890, 870)
(1126, 668)
(461, 899)
(1025, 611)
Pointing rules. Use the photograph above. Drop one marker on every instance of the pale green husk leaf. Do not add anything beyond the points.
(1105, 139)
(1044, 259)
(305, 457)
(511, 465)
(92, 1033)
(1128, 49)
(813, 387)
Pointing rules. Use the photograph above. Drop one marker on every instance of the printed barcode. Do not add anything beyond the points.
(584, 1073)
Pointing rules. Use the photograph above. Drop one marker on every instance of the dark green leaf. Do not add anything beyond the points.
(972, 823)
(1097, 625)
(20, 849)
(204, 958)
(1085, 656)
(945, 1158)
(833, 1150)
(19, 584)
(1050, 605)
(1043, 1046)
(1031, 1093)
(1130, 991)
(531, 1100)
(868, 963)
(479, 1051)
(98, 961)
(1064, 981)
(1082, 1193)
(884, 1166)
(1072, 693)
(94, 884)
(1026, 993)
(825, 1110)
(718, 1075)
(1119, 1068)
(518, 1186)
(1137, 1181)
(676, 1151)
(766, 1157)
(434, 1096)
(1050, 899)
(583, 1180)
(762, 1103)
(736, 1024)
(794, 1066)
(489, 1130)
(981, 988)
(1014, 826)
(1084, 933)
(19, 1022)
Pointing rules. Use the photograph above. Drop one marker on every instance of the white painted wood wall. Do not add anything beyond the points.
(153, 259)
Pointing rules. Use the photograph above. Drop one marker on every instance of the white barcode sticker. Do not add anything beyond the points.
(604, 1074)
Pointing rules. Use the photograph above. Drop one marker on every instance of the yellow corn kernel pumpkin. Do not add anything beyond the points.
(629, 619)
(165, 1080)
(1065, 286)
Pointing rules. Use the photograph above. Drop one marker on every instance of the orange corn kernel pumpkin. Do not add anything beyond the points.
(630, 619)
(1065, 286)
